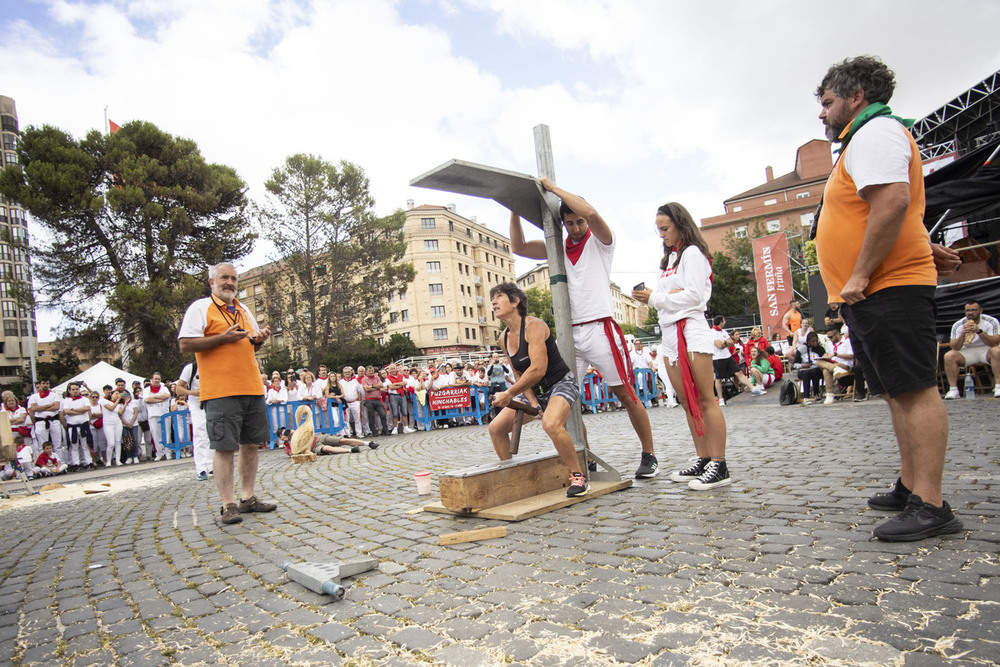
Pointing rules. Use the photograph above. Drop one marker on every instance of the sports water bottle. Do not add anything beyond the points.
(970, 389)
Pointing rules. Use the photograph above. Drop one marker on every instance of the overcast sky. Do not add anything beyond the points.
(647, 101)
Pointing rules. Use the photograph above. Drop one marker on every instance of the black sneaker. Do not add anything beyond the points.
(647, 466)
(716, 474)
(372, 445)
(917, 521)
(355, 450)
(694, 472)
(578, 485)
(894, 501)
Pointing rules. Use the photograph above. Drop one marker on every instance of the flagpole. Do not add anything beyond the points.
(107, 126)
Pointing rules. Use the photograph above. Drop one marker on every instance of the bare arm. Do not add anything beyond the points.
(888, 203)
(529, 249)
(580, 206)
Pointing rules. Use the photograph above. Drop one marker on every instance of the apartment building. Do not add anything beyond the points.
(786, 203)
(19, 330)
(457, 262)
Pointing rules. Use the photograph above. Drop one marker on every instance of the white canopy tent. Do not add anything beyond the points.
(98, 375)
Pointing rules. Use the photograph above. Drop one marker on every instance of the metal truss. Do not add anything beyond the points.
(967, 122)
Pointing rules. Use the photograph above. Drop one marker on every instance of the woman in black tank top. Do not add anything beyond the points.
(541, 374)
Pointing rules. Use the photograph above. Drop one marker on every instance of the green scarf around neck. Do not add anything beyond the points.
(873, 110)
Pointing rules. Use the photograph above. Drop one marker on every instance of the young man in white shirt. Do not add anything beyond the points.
(353, 395)
(76, 411)
(157, 399)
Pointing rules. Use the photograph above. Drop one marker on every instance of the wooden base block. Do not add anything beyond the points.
(503, 482)
(303, 458)
(524, 508)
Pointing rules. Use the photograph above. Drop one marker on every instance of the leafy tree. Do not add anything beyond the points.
(734, 290)
(628, 329)
(652, 318)
(281, 359)
(540, 306)
(339, 260)
(64, 366)
(128, 219)
(400, 347)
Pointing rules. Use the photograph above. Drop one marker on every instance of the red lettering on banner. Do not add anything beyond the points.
(449, 399)
(774, 293)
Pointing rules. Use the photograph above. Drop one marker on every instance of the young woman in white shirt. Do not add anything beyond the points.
(680, 298)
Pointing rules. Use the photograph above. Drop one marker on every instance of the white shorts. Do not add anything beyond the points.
(697, 333)
(766, 380)
(594, 349)
(975, 355)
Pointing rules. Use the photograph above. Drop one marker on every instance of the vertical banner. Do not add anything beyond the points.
(774, 280)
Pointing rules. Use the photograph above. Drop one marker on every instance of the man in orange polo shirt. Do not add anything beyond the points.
(876, 259)
(223, 335)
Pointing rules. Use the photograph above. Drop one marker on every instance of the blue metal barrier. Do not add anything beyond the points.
(175, 432)
(600, 394)
(475, 408)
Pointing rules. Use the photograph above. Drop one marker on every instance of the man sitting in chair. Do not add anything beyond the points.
(975, 339)
(541, 375)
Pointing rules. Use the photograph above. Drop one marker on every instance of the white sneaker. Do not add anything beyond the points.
(996, 391)
(953, 393)
(672, 403)
(758, 391)
(828, 400)
(407, 429)
(722, 402)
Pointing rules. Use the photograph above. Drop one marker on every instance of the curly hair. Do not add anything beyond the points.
(865, 73)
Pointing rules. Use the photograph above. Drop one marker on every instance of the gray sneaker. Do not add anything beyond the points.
(917, 521)
(647, 466)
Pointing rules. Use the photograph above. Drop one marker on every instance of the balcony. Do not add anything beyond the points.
(477, 280)
(482, 320)
(479, 301)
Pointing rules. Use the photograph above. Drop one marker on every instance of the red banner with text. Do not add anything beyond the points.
(453, 398)
(774, 280)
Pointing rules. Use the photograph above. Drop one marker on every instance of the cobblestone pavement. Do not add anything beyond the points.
(778, 568)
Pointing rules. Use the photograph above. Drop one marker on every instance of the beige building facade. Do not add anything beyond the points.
(457, 262)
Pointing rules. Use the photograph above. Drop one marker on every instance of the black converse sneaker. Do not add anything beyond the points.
(694, 472)
(716, 474)
(894, 501)
(647, 466)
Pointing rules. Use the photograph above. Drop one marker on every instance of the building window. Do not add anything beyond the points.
(404, 315)
(430, 245)
(406, 334)
(451, 226)
(770, 202)
(468, 232)
(737, 209)
(462, 287)
(402, 296)
(9, 310)
(435, 289)
(10, 327)
(802, 195)
(426, 223)
(464, 312)
(441, 334)
(807, 218)
(740, 232)
(393, 318)
(392, 295)
(774, 225)
(467, 332)
(437, 311)
(242, 294)
(473, 334)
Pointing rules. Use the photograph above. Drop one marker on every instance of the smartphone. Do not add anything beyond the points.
(640, 287)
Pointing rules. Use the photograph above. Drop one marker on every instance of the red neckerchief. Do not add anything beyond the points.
(45, 395)
(323, 377)
(574, 250)
(8, 409)
(691, 392)
(157, 390)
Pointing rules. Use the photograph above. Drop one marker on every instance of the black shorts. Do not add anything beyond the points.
(725, 368)
(232, 421)
(892, 333)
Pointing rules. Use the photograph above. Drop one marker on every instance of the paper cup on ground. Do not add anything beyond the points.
(423, 479)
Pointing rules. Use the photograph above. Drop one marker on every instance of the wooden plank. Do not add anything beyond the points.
(8, 452)
(504, 482)
(308, 457)
(525, 508)
(473, 535)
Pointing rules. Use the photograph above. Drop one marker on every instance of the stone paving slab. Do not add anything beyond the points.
(778, 568)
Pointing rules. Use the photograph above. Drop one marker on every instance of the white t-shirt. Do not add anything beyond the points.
(34, 399)
(720, 352)
(156, 410)
(352, 389)
(129, 413)
(843, 347)
(192, 384)
(277, 395)
(589, 280)
(988, 324)
(307, 393)
(640, 358)
(442, 382)
(322, 383)
(76, 404)
(109, 412)
(879, 153)
(693, 276)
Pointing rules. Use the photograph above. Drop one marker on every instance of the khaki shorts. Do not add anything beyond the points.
(232, 421)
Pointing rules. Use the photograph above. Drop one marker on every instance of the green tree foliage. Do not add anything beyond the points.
(339, 260)
(734, 290)
(540, 306)
(281, 359)
(127, 218)
(366, 351)
(652, 318)
(401, 347)
(64, 366)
